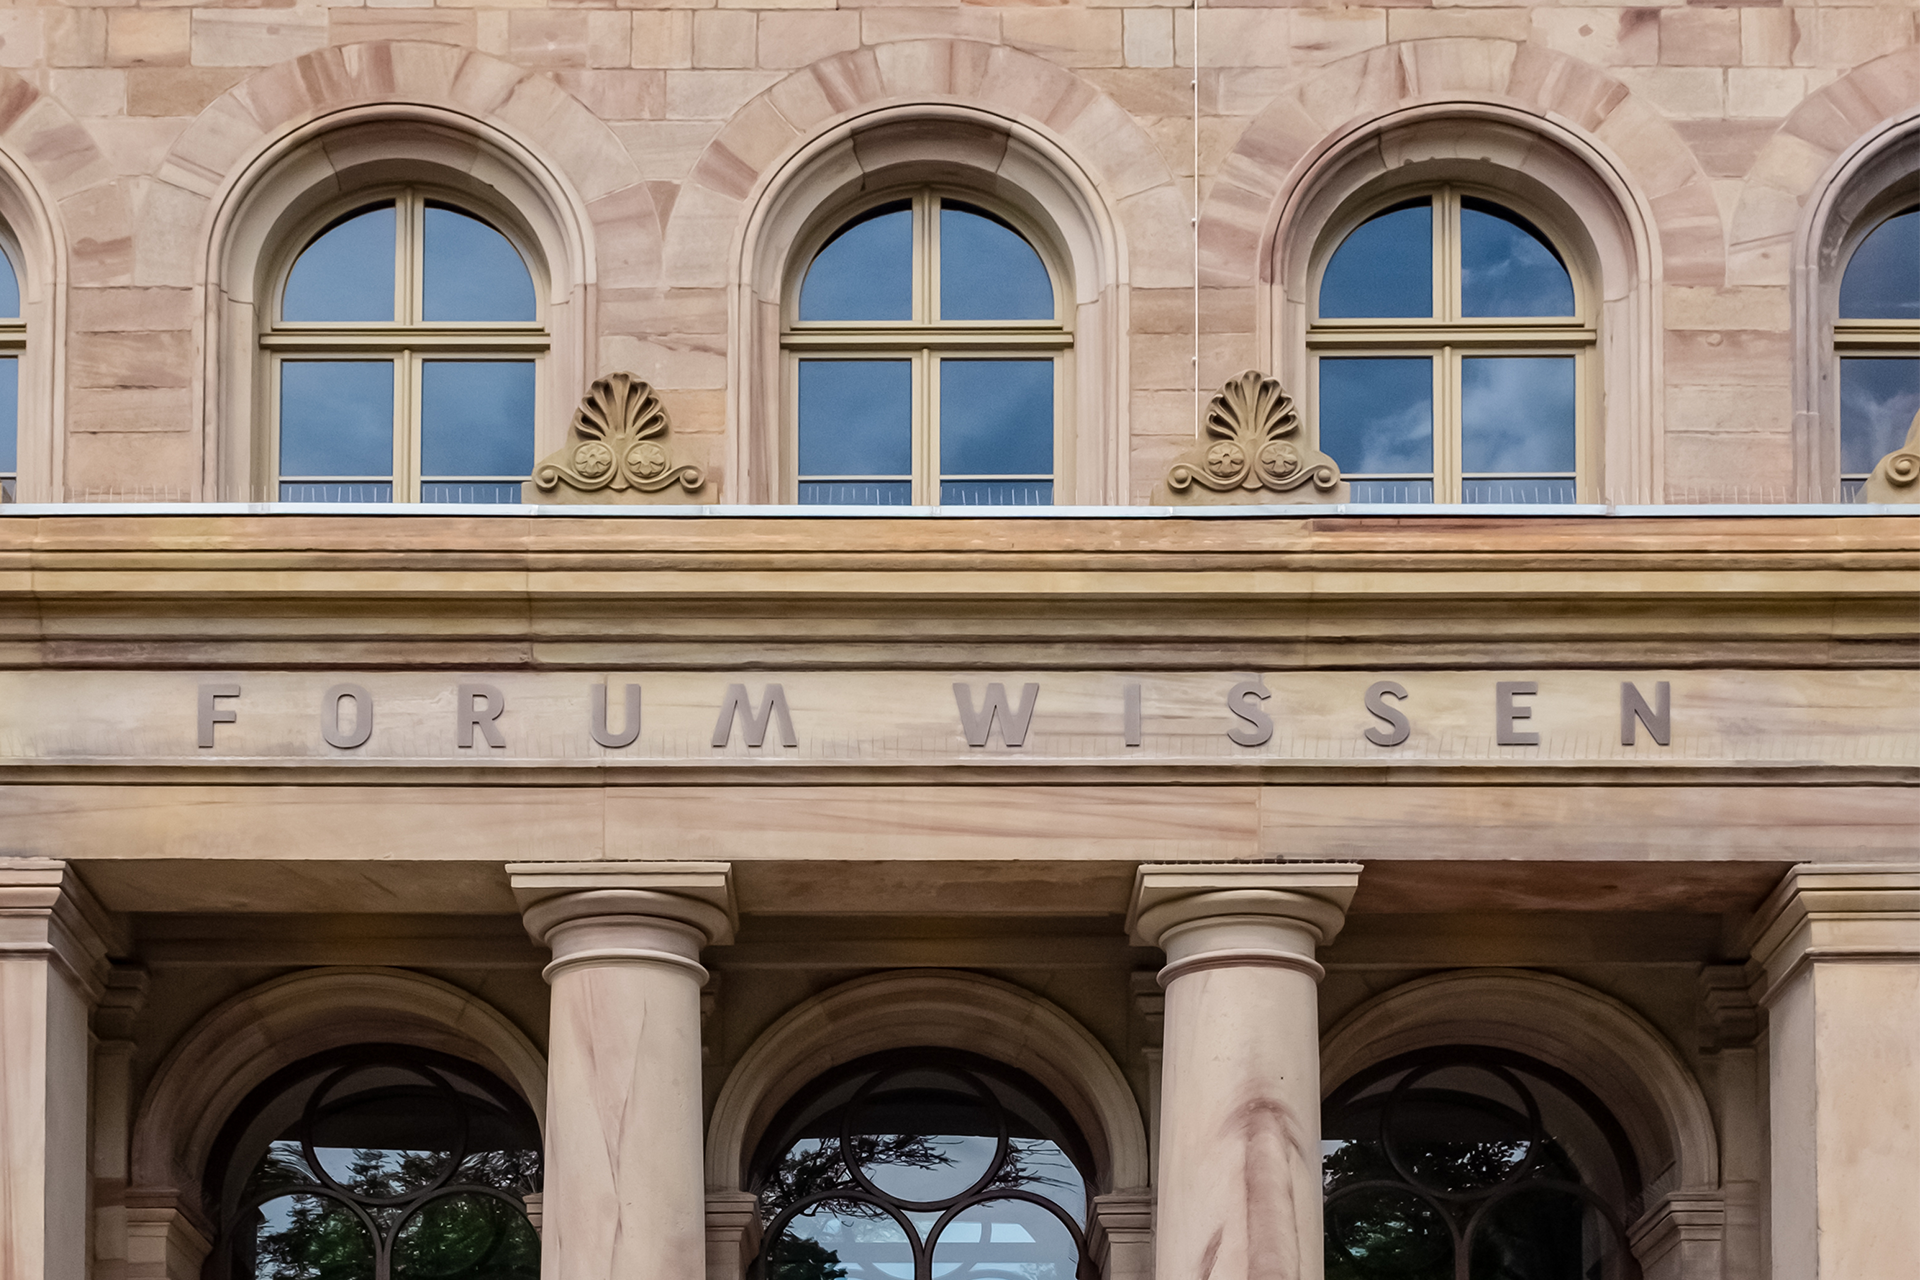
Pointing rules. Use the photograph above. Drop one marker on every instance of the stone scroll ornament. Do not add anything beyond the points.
(616, 451)
(1256, 453)
(1896, 477)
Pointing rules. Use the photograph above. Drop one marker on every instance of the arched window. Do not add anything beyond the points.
(1466, 1163)
(1451, 347)
(405, 346)
(377, 1163)
(13, 339)
(923, 1163)
(926, 346)
(1876, 339)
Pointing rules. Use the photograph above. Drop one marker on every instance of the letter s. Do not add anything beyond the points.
(1397, 725)
(1244, 701)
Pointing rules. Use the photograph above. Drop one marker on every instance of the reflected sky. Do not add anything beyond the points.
(858, 1240)
(987, 271)
(346, 273)
(1384, 269)
(1012, 1238)
(1517, 413)
(856, 418)
(336, 417)
(472, 272)
(1883, 277)
(866, 271)
(1506, 267)
(1376, 413)
(476, 417)
(996, 417)
(944, 1165)
(9, 289)
(1878, 398)
(9, 414)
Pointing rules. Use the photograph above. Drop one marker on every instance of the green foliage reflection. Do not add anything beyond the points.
(467, 1237)
(304, 1237)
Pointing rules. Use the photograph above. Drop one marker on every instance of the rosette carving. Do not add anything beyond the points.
(616, 450)
(1896, 477)
(1256, 452)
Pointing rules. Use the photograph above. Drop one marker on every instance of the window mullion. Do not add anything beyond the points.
(406, 428)
(926, 429)
(1447, 445)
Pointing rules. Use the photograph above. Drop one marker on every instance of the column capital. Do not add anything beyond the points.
(612, 912)
(1858, 912)
(1235, 913)
(47, 913)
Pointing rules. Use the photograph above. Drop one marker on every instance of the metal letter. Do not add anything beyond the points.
(1505, 713)
(1013, 721)
(599, 726)
(211, 715)
(469, 717)
(1258, 729)
(738, 706)
(1398, 727)
(362, 717)
(1133, 738)
(1659, 721)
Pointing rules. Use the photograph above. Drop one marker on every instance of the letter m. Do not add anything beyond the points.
(739, 707)
(1013, 723)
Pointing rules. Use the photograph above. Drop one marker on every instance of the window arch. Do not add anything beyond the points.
(1462, 1161)
(1451, 343)
(927, 342)
(403, 347)
(1876, 338)
(377, 1162)
(905, 1165)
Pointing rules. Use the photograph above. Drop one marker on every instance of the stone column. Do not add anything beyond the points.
(1239, 1168)
(625, 1185)
(1840, 946)
(52, 970)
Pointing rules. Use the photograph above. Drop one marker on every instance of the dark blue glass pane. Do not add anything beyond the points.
(856, 418)
(1878, 398)
(476, 417)
(476, 491)
(1554, 492)
(1376, 414)
(1516, 413)
(996, 493)
(1853, 490)
(346, 273)
(996, 417)
(988, 271)
(866, 271)
(1384, 269)
(336, 418)
(1883, 277)
(10, 414)
(1506, 266)
(857, 493)
(308, 491)
(9, 289)
(472, 271)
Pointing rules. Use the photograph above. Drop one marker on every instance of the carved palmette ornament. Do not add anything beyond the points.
(1255, 452)
(1896, 477)
(616, 450)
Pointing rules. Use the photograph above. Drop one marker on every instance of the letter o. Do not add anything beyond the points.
(362, 717)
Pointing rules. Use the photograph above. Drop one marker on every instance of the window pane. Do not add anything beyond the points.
(1878, 398)
(302, 1235)
(1376, 414)
(996, 493)
(1516, 413)
(1384, 268)
(472, 271)
(866, 271)
(465, 1236)
(1883, 277)
(1507, 268)
(1420, 491)
(856, 418)
(9, 414)
(9, 289)
(848, 1239)
(988, 271)
(310, 491)
(336, 418)
(857, 493)
(996, 417)
(346, 273)
(1006, 1238)
(476, 418)
(1534, 491)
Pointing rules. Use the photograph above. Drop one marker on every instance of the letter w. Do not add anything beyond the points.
(1013, 723)
(739, 706)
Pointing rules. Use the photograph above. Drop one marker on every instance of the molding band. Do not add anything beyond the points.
(1242, 957)
(1834, 955)
(635, 955)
